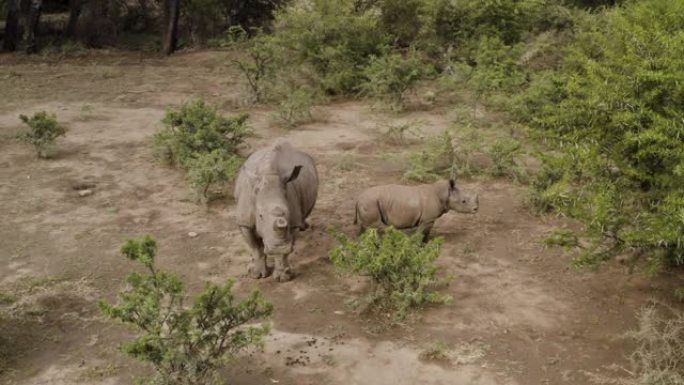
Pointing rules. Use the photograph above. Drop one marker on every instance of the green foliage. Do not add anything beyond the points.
(504, 153)
(195, 129)
(438, 351)
(295, 106)
(332, 37)
(436, 160)
(614, 113)
(43, 131)
(212, 169)
(401, 20)
(562, 237)
(390, 76)
(185, 344)
(258, 67)
(400, 266)
(203, 142)
(496, 68)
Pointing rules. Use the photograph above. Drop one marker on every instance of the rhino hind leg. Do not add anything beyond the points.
(259, 269)
(282, 272)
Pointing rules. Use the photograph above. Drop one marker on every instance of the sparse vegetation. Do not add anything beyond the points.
(438, 351)
(400, 266)
(186, 344)
(390, 76)
(198, 139)
(43, 132)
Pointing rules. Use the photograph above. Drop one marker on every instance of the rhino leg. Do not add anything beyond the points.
(258, 268)
(425, 229)
(282, 271)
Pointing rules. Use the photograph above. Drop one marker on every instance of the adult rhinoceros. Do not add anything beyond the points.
(276, 191)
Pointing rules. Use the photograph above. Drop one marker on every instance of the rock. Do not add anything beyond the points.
(339, 312)
(85, 193)
(192, 234)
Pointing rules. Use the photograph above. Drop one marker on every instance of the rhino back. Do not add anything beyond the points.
(301, 193)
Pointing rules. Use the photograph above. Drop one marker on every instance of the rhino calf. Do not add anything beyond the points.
(406, 207)
(276, 190)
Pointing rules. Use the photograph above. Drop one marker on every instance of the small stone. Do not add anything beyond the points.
(85, 193)
(192, 234)
(339, 312)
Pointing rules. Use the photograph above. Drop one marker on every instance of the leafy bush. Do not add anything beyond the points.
(614, 114)
(43, 131)
(437, 160)
(258, 67)
(496, 68)
(335, 38)
(212, 169)
(390, 76)
(400, 267)
(295, 106)
(504, 153)
(401, 20)
(185, 344)
(197, 129)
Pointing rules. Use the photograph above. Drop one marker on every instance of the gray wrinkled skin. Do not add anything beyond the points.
(276, 190)
(409, 207)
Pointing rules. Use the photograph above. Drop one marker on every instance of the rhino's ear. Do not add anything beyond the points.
(295, 174)
(452, 184)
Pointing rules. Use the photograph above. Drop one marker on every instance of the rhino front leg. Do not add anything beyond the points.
(425, 229)
(282, 271)
(258, 268)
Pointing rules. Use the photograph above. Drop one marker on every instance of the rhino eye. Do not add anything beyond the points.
(463, 201)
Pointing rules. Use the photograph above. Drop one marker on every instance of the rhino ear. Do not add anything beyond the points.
(295, 174)
(452, 184)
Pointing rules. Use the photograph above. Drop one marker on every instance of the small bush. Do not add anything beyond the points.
(295, 107)
(185, 344)
(197, 129)
(210, 170)
(400, 267)
(435, 161)
(259, 65)
(396, 134)
(390, 76)
(335, 38)
(438, 351)
(43, 132)
(504, 153)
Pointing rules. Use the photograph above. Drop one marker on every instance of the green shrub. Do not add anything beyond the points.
(496, 68)
(212, 169)
(335, 38)
(43, 131)
(614, 114)
(295, 106)
(436, 160)
(401, 20)
(400, 267)
(504, 153)
(196, 129)
(259, 65)
(390, 76)
(186, 344)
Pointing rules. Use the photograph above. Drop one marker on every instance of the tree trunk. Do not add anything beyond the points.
(170, 38)
(75, 7)
(12, 27)
(33, 21)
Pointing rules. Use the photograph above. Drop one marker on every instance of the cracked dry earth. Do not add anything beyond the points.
(519, 316)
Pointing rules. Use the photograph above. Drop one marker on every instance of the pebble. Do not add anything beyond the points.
(339, 312)
(85, 193)
(192, 234)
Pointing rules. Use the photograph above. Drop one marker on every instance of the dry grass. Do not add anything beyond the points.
(658, 358)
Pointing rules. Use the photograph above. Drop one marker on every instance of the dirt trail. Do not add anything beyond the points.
(519, 315)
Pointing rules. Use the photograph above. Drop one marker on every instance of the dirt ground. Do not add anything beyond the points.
(520, 314)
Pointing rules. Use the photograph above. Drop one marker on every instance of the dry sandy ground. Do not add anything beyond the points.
(520, 315)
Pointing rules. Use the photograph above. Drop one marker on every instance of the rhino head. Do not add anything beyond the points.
(272, 212)
(462, 202)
